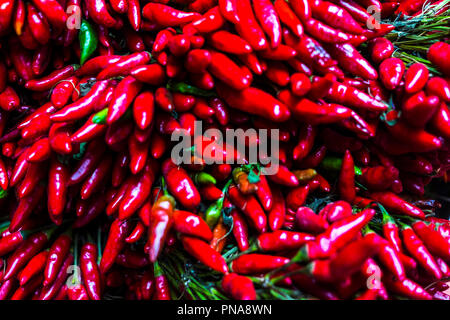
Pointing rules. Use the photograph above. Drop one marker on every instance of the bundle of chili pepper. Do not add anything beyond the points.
(96, 198)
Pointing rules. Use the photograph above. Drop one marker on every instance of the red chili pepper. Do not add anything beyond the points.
(56, 257)
(441, 121)
(416, 77)
(26, 251)
(204, 253)
(335, 237)
(136, 194)
(250, 207)
(391, 72)
(437, 86)
(35, 266)
(297, 197)
(11, 241)
(162, 291)
(190, 224)
(115, 243)
(83, 106)
(238, 287)
(180, 185)
(240, 230)
(254, 263)
(226, 70)
(38, 24)
(88, 163)
(420, 252)
(288, 17)
(124, 65)
(53, 11)
(94, 182)
(161, 220)
(392, 202)
(306, 220)
(165, 16)
(90, 271)
(98, 11)
(268, 19)
(62, 91)
(25, 290)
(405, 287)
(438, 53)
(25, 207)
(391, 232)
(352, 61)
(352, 97)
(281, 240)
(57, 188)
(347, 178)
(48, 293)
(432, 239)
(9, 100)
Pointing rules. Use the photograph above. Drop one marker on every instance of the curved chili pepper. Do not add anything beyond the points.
(161, 220)
(335, 237)
(419, 251)
(115, 243)
(247, 26)
(124, 65)
(126, 91)
(25, 207)
(204, 253)
(96, 179)
(22, 255)
(352, 97)
(191, 225)
(432, 239)
(165, 16)
(83, 106)
(352, 61)
(250, 207)
(288, 17)
(268, 19)
(137, 193)
(35, 266)
(49, 292)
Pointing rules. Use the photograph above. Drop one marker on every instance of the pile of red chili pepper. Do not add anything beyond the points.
(95, 208)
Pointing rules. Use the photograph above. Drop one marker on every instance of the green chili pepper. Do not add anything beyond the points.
(88, 41)
(189, 89)
(333, 163)
(213, 213)
(204, 178)
(3, 193)
(100, 117)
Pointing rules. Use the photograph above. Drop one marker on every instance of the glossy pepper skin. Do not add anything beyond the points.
(180, 185)
(90, 270)
(335, 237)
(57, 254)
(204, 253)
(161, 220)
